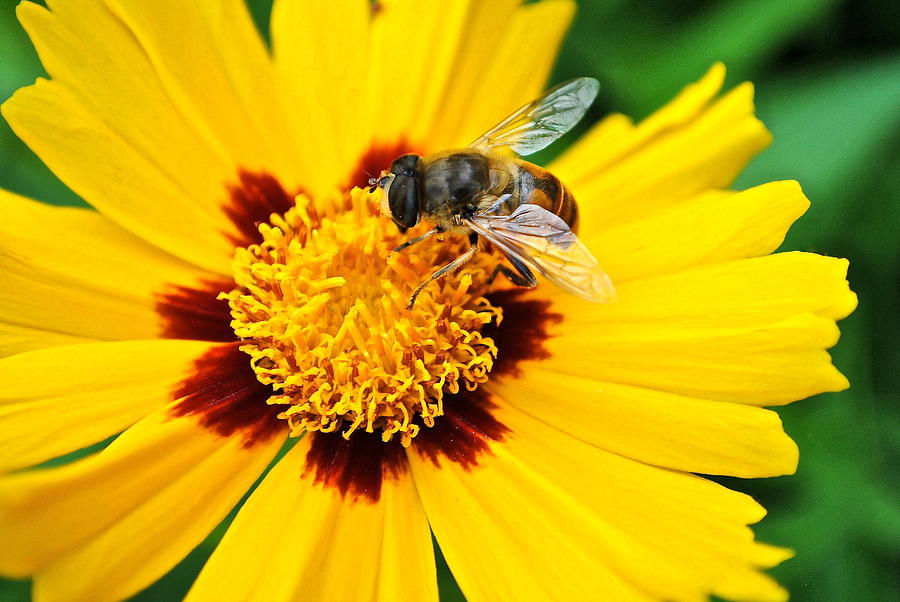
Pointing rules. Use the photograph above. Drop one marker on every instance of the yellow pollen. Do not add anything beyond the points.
(319, 304)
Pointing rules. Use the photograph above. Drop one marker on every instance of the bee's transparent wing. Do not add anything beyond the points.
(544, 242)
(539, 123)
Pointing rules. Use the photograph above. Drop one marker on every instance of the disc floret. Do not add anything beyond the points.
(320, 306)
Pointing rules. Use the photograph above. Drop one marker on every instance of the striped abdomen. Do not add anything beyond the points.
(535, 185)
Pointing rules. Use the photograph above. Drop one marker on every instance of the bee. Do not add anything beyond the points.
(486, 191)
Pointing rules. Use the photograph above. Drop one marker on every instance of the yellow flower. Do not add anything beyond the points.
(548, 443)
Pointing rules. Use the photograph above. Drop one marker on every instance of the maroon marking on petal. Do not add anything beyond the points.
(376, 7)
(253, 199)
(374, 160)
(463, 433)
(356, 467)
(196, 313)
(223, 391)
(225, 395)
(522, 332)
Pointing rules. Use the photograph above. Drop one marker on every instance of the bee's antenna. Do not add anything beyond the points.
(373, 183)
(377, 183)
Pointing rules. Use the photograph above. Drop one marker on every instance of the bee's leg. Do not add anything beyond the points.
(521, 277)
(413, 241)
(453, 265)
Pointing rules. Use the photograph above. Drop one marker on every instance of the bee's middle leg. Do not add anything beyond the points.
(453, 265)
(522, 276)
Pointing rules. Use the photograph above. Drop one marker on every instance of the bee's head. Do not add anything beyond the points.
(402, 187)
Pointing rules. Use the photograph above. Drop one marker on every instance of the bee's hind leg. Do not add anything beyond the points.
(522, 276)
(453, 265)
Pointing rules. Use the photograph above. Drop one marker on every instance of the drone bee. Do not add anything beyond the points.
(486, 191)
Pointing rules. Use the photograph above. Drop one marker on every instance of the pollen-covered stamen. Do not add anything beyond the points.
(320, 306)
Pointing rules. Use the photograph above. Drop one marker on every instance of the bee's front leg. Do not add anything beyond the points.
(413, 241)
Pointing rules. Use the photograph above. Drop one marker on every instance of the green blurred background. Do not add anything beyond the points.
(828, 86)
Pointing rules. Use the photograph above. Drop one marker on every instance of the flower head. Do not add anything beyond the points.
(321, 302)
(235, 290)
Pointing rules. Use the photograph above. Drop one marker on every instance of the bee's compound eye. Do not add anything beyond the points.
(405, 164)
(403, 200)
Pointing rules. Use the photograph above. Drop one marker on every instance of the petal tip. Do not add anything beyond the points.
(716, 73)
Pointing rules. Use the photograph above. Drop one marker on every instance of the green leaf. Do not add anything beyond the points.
(832, 129)
(648, 52)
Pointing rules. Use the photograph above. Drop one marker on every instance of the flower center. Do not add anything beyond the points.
(319, 305)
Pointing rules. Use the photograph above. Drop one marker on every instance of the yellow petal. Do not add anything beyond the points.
(113, 523)
(752, 331)
(546, 516)
(712, 227)
(19, 339)
(91, 159)
(482, 92)
(296, 538)
(54, 401)
(435, 67)
(695, 144)
(322, 76)
(760, 364)
(210, 59)
(152, 538)
(72, 274)
(663, 429)
(760, 290)
(420, 52)
(613, 138)
(110, 129)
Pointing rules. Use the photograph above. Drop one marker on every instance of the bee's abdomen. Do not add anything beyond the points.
(538, 186)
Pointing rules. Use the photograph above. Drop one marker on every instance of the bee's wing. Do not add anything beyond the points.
(543, 241)
(542, 121)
